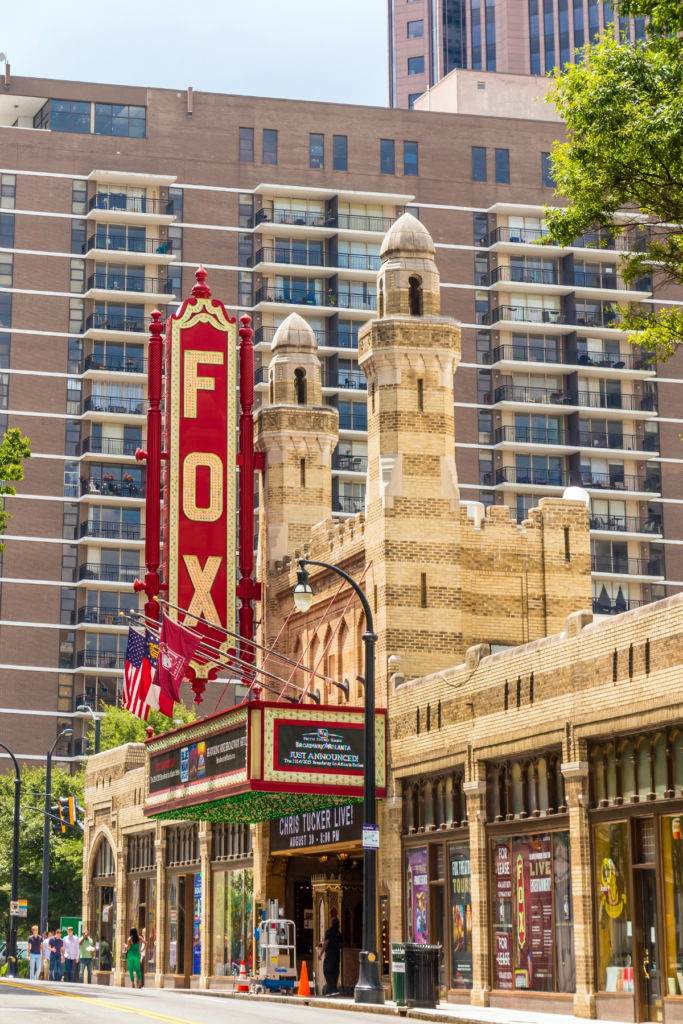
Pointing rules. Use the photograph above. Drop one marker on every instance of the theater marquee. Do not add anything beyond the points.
(263, 760)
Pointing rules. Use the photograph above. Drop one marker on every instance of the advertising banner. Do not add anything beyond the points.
(461, 914)
(197, 928)
(533, 913)
(309, 746)
(502, 926)
(211, 758)
(417, 895)
(310, 829)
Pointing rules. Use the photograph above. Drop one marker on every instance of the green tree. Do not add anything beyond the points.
(66, 850)
(120, 726)
(622, 166)
(13, 450)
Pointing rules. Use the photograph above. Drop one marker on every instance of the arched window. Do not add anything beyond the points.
(598, 776)
(415, 296)
(104, 860)
(531, 805)
(542, 772)
(503, 790)
(610, 757)
(300, 386)
(517, 789)
(644, 787)
(628, 772)
(448, 801)
(439, 808)
(416, 806)
(428, 803)
(660, 765)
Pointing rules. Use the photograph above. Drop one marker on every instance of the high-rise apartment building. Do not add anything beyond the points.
(430, 38)
(111, 197)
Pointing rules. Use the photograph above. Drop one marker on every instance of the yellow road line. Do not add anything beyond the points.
(98, 1002)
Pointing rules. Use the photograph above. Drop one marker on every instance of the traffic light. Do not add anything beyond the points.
(57, 828)
(65, 814)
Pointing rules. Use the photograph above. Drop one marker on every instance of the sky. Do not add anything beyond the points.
(328, 50)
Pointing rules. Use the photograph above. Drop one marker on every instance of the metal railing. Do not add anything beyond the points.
(326, 339)
(604, 606)
(612, 482)
(352, 379)
(623, 442)
(116, 364)
(102, 617)
(537, 396)
(356, 222)
(627, 566)
(113, 531)
(357, 422)
(610, 360)
(626, 524)
(596, 400)
(301, 218)
(530, 435)
(627, 242)
(129, 283)
(261, 375)
(537, 477)
(303, 258)
(112, 488)
(524, 275)
(108, 403)
(131, 204)
(291, 296)
(123, 243)
(581, 399)
(107, 322)
(526, 354)
(100, 659)
(108, 573)
(350, 463)
(108, 446)
(613, 282)
(348, 504)
(347, 300)
(596, 318)
(524, 314)
(96, 701)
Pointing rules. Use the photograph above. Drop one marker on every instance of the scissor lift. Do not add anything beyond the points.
(277, 954)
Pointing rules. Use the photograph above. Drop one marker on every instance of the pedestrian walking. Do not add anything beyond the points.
(46, 955)
(133, 957)
(56, 947)
(71, 954)
(331, 949)
(143, 951)
(87, 948)
(35, 952)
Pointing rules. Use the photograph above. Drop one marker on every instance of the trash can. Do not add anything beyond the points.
(398, 973)
(422, 974)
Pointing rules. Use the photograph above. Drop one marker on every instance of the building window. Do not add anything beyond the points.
(416, 65)
(386, 158)
(549, 34)
(411, 99)
(475, 30)
(6, 310)
(410, 166)
(76, 316)
(77, 280)
(416, 29)
(340, 153)
(478, 163)
(64, 116)
(69, 551)
(8, 191)
(563, 22)
(67, 610)
(503, 166)
(246, 211)
(72, 441)
(490, 35)
(245, 249)
(79, 197)
(74, 356)
(245, 288)
(535, 38)
(70, 521)
(78, 236)
(6, 230)
(73, 397)
(269, 146)
(594, 21)
(316, 151)
(246, 145)
(5, 341)
(454, 34)
(547, 171)
(579, 38)
(124, 121)
(65, 693)
(6, 269)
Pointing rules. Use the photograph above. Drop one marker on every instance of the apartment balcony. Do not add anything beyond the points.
(297, 218)
(621, 482)
(102, 322)
(261, 375)
(350, 505)
(517, 435)
(539, 237)
(606, 607)
(113, 531)
(326, 339)
(533, 396)
(524, 275)
(116, 364)
(536, 477)
(626, 524)
(608, 565)
(146, 289)
(115, 446)
(358, 224)
(123, 204)
(100, 659)
(115, 404)
(112, 488)
(617, 442)
(318, 299)
(350, 463)
(108, 573)
(130, 247)
(322, 260)
(531, 435)
(102, 617)
(345, 379)
(556, 356)
(577, 399)
(610, 282)
(95, 701)
(356, 422)
(523, 314)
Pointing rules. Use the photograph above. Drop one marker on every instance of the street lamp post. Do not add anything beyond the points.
(83, 710)
(369, 988)
(46, 831)
(12, 948)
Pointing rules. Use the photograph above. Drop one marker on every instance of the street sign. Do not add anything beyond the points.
(371, 837)
(18, 908)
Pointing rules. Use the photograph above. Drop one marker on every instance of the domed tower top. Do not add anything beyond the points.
(294, 372)
(408, 281)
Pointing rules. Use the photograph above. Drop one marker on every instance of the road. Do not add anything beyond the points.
(80, 1004)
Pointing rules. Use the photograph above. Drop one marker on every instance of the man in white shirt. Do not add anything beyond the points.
(72, 953)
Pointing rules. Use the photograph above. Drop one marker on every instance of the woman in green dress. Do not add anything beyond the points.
(133, 957)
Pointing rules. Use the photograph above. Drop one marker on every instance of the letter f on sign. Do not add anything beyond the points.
(193, 383)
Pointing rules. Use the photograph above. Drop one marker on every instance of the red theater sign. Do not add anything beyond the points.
(199, 525)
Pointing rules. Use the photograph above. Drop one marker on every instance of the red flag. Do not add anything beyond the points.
(176, 648)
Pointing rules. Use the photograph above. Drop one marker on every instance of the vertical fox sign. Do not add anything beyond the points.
(199, 525)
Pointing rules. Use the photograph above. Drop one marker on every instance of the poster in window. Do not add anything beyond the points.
(461, 915)
(533, 913)
(502, 911)
(197, 926)
(416, 894)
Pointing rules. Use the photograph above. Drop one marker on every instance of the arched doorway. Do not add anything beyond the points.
(104, 910)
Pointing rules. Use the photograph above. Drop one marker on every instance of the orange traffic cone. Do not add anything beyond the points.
(243, 987)
(304, 987)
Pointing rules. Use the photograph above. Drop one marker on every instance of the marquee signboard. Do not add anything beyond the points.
(260, 760)
(308, 830)
(200, 477)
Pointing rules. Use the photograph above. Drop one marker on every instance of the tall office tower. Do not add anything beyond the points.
(430, 38)
(112, 195)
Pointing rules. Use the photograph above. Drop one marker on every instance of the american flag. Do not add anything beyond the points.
(137, 673)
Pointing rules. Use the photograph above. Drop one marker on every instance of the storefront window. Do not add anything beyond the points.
(461, 914)
(533, 933)
(672, 858)
(233, 920)
(615, 955)
(104, 898)
(416, 894)
(151, 929)
(197, 926)
(176, 924)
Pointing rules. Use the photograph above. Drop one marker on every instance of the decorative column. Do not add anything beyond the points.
(576, 788)
(475, 792)
(121, 932)
(160, 847)
(390, 866)
(205, 839)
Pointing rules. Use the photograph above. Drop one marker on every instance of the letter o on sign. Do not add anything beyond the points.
(215, 507)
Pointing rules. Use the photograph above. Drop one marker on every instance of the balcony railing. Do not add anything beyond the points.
(612, 482)
(524, 314)
(524, 275)
(357, 422)
(538, 477)
(526, 354)
(108, 573)
(616, 607)
(350, 463)
(584, 279)
(353, 379)
(356, 261)
(582, 399)
(100, 659)
(611, 360)
(598, 400)
(291, 296)
(303, 258)
(626, 524)
(538, 396)
(116, 364)
(112, 403)
(300, 218)
(112, 322)
(261, 375)
(102, 617)
(113, 531)
(122, 243)
(628, 566)
(108, 446)
(95, 701)
(347, 504)
(596, 318)
(131, 204)
(112, 488)
(130, 283)
(590, 240)
(347, 300)
(625, 442)
(530, 435)
(329, 339)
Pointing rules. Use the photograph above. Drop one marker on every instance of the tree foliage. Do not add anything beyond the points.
(13, 450)
(120, 726)
(622, 166)
(66, 851)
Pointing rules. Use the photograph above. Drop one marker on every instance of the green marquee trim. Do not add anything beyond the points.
(253, 806)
